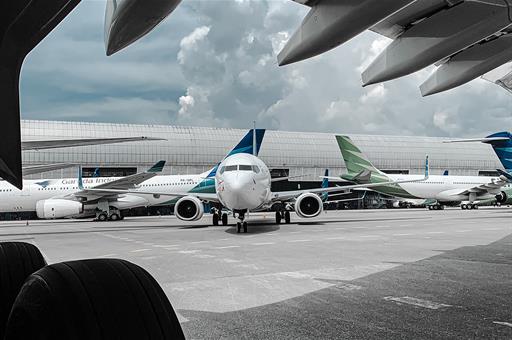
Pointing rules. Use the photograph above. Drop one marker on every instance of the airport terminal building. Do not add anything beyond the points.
(197, 149)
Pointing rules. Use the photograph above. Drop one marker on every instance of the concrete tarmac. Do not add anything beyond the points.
(366, 274)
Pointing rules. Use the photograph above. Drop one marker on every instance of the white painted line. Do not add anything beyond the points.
(359, 227)
(402, 234)
(492, 229)
(336, 238)
(368, 236)
(108, 255)
(463, 231)
(295, 232)
(417, 302)
(262, 243)
(165, 245)
(188, 251)
(508, 324)
(436, 232)
(196, 242)
(340, 228)
(295, 241)
(404, 225)
(382, 226)
(139, 250)
(227, 247)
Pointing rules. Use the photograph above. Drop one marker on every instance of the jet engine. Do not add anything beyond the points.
(189, 208)
(58, 208)
(502, 197)
(309, 205)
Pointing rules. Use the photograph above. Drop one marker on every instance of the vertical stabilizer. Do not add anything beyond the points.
(501, 142)
(355, 161)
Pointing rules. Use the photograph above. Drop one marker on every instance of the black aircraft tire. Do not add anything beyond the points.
(224, 219)
(287, 217)
(215, 219)
(17, 261)
(92, 299)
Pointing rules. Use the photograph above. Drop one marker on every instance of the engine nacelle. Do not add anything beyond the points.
(58, 208)
(502, 197)
(309, 205)
(189, 208)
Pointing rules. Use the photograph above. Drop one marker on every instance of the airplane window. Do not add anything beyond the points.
(222, 170)
(245, 167)
(256, 169)
(231, 168)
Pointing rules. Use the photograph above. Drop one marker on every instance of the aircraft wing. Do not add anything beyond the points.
(493, 187)
(290, 195)
(66, 143)
(464, 39)
(119, 186)
(206, 197)
(36, 169)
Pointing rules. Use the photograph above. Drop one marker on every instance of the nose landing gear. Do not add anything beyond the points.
(241, 224)
(218, 216)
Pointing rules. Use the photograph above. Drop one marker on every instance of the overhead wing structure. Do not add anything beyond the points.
(66, 143)
(465, 39)
(37, 169)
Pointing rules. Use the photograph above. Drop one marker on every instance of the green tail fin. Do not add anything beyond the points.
(355, 161)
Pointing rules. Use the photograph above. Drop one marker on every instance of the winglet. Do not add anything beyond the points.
(158, 167)
(505, 174)
(80, 179)
(427, 169)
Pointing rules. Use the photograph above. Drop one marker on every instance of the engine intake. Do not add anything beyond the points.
(189, 208)
(309, 205)
(58, 208)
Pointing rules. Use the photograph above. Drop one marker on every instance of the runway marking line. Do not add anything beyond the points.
(227, 247)
(296, 241)
(262, 243)
(502, 323)
(368, 236)
(139, 250)
(402, 234)
(196, 242)
(386, 226)
(108, 255)
(463, 231)
(492, 229)
(436, 232)
(408, 300)
(336, 238)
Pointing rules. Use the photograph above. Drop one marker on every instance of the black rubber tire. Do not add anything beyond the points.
(278, 217)
(215, 218)
(224, 219)
(115, 217)
(238, 227)
(92, 299)
(245, 227)
(17, 261)
(102, 217)
(287, 217)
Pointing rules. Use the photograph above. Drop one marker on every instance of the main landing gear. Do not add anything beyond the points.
(219, 216)
(283, 215)
(469, 206)
(436, 207)
(110, 214)
(241, 224)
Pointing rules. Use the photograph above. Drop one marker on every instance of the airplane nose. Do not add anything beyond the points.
(239, 189)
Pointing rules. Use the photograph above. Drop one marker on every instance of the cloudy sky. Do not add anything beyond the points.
(213, 63)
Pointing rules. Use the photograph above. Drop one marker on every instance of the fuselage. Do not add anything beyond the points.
(243, 182)
(15, 200)
(442, 188)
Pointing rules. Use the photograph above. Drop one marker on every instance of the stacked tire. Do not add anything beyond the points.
(86, 299)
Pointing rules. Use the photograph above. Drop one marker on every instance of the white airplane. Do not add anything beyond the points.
(77, 197)
(243, 185)
(445, 189)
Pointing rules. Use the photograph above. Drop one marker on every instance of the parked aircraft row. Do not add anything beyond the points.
(241, 183)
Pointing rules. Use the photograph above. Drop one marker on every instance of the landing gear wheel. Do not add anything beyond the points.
(278, 217)
(475, 206)
(17, 261)
(95, 299)
(463, 206)
(245, 227)
(238, 227)
(430, 207)
(215, 217)
(287, 218)
(114, 217)
(102, 217)
(224, 219)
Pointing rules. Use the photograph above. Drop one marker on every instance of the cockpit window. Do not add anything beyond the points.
(221, 171)
(256, 169)
(245, 167)
(230, 168)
